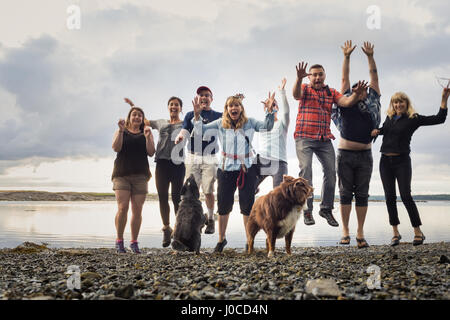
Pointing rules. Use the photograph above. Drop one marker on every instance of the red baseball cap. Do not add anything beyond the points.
(203, 88)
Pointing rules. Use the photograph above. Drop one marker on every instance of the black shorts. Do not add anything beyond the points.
(354, 169)
(226, 187)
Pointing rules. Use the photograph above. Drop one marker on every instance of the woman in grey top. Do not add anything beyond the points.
(170, 169)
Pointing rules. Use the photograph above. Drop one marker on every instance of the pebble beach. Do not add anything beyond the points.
(35, 272)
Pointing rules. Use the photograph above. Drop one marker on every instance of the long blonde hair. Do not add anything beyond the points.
(401, 96)
(226, 120)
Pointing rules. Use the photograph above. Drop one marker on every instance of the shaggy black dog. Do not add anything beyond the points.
(190, 219)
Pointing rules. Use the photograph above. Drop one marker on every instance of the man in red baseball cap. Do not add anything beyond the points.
(201, 160)
(204, 88)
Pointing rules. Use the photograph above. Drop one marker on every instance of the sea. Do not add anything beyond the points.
(90, 224)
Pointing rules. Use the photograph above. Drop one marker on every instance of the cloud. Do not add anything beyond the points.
(62, 90)
(55, 104)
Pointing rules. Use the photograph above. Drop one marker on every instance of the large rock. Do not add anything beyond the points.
(42, 297)
(323, 288)
(125, 292)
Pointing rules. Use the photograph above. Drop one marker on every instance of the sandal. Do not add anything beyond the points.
(395, 240)
(345, 240)
(362, 243)
(420, 241)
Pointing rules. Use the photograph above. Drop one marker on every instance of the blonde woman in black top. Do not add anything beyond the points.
(395, 164)
(133, 143)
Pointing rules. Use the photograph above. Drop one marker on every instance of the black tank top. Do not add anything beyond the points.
(132, 158)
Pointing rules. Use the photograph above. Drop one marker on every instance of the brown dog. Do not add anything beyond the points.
(277, 213)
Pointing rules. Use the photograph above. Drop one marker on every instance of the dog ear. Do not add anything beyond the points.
(287, 178)
(305, 182)
(183, 190)
(285, 190)
(196, 193)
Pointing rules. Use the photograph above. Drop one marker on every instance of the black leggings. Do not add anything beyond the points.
(398, 168)
(167, 173)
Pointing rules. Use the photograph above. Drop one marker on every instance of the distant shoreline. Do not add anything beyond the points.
(29, 195)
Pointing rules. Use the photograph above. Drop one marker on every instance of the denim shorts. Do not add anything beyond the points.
(354, 169)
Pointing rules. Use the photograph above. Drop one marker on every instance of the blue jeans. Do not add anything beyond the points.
(273, 168)
(324, 152)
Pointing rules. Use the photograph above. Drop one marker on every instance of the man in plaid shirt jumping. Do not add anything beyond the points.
(313, 135)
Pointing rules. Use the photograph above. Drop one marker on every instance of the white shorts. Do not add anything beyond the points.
(204, 169)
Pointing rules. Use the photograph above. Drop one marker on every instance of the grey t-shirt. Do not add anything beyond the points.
(166, 142)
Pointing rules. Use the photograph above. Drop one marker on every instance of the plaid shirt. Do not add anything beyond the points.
(314, 113)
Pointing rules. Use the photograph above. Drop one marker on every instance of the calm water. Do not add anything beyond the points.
(91, 224)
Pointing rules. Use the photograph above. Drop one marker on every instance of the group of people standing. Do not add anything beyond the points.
(355, 110)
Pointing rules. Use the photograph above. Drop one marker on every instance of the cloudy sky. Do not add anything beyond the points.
(62, 89)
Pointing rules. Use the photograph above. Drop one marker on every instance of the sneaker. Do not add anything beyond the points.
(220, 245)
(120, 248)
(326, 213)
(210, 227)
(134, 247)
(167, 237)
(308, 218)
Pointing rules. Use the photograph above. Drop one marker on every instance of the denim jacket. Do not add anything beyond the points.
(370, 105)
(236, 144)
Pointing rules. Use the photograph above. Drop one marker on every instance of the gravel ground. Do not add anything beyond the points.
(33, 271)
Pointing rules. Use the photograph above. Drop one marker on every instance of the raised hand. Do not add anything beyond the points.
(361, 87)
(197, 106)
(446, 92)
(121, 124)
(268, 103)
(129, 102)
(283, 84)
(301, 70)
(148, 132)
(445, 95)
(368, 48)
(179, 138)
(347, 48)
